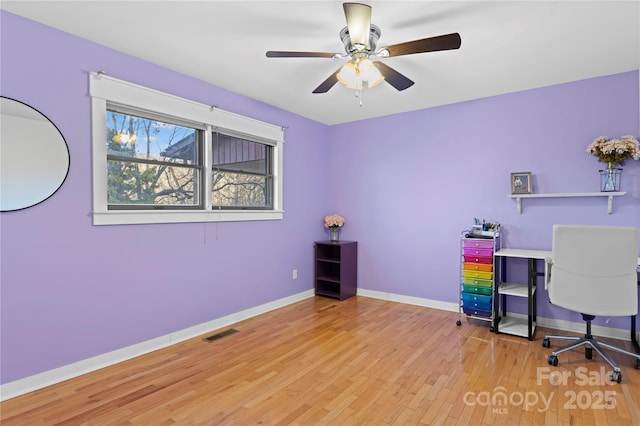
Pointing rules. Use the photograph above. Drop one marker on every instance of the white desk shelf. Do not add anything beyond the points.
(609, 195)
(516, 326)
(518, 290)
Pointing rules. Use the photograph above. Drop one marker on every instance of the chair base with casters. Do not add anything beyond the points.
(590, 343)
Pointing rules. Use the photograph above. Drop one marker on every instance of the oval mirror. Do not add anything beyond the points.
(34, 157)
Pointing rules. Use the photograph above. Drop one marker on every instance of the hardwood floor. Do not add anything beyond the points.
(361, 361)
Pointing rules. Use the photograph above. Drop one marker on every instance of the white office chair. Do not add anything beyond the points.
(593, 272)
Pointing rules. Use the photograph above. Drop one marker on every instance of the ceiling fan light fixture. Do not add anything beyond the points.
(360, 40)
(355, 72)
(350, 76)
(370, 73)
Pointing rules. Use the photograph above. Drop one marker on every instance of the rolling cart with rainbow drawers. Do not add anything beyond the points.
(476, 275)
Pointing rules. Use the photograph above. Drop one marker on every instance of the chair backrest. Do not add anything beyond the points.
(594, 269)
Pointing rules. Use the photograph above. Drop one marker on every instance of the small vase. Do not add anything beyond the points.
(610, 178)
(334, 234)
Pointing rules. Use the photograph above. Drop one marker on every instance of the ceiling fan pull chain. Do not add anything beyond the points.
(359, 83)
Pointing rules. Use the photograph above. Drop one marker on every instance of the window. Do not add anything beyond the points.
(242, 173)
(158, 158)
(152, 163)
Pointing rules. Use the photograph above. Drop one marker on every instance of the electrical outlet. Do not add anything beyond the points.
(294, 274)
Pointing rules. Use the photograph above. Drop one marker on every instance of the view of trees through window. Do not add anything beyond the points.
(155, 164)
(150, 162)
(242, 175)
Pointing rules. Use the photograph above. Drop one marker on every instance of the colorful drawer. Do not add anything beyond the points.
(477, 289)
(478, 244)
(477, 301)
(479, 259)
(476, 277)
(477, 267)
(476, 312)
(478, 252)
(477, 282)
(478, 274)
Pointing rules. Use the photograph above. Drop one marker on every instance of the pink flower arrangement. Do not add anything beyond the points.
(615, 150)
(334, 221)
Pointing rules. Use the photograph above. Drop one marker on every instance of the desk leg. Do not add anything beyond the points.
(503, 278)
(531, 304)
(503, 303)
(634, 339)
(497, 265)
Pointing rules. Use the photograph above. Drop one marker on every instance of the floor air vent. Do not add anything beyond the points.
(220, 335)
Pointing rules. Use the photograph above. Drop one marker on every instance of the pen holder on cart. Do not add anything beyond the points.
(479, 231)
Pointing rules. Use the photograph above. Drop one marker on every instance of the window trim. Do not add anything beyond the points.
(105, 90)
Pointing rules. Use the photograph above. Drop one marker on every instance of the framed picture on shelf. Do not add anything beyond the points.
(521, 183)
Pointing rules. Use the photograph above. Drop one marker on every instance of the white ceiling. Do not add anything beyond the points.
(506, 46)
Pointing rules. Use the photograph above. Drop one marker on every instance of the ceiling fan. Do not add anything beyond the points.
(360, 39)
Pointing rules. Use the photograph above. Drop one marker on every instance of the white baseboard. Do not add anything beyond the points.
(579, 327)
(69, 371)
(409, 300)
(560, 325)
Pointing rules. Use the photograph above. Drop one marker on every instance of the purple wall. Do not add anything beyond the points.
(71, 290)
(409, 184)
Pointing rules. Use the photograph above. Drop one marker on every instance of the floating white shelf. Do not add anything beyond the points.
(609, 195)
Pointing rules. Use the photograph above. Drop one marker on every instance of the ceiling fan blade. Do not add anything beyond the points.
(358, 22)
(430, 44)
(328, 83)
(283, 54)
(393, 77)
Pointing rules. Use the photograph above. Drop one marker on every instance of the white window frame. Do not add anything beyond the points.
(105, 90)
